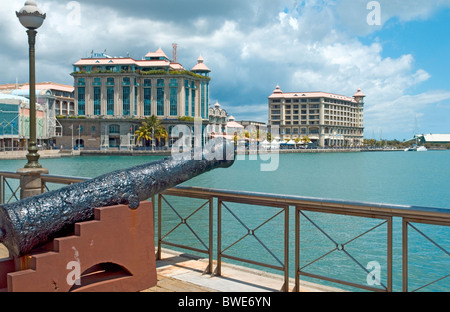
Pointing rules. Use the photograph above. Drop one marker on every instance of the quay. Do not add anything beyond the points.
(180, 272)
(44, 154)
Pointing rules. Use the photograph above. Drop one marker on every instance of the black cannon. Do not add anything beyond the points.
(34, 221)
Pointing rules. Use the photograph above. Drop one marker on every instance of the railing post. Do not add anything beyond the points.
(30, 181)
(211, 236)
(286, 249)
(158, 253)
(297, 250)
(2, 190)
(389, 254)
(405, 255)
(218, 271)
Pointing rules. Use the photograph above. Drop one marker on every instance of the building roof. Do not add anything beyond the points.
(151, 59)
(359, 93)
(49, 86)
(201, 66)
(436, 138)
(4, 96)
(278, 94)
(159, 53)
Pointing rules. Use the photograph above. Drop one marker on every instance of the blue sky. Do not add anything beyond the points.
(252, 46)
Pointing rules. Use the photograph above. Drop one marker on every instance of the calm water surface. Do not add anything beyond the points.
(416, 179)
(409, 178)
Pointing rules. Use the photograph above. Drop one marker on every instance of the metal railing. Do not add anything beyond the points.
(381, 214)
(375, 221)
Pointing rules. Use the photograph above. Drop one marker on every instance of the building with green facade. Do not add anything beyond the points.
(15, 122)
(113, 95)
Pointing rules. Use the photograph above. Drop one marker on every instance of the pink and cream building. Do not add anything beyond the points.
(327, 119)
(114, 94)
(113, 87)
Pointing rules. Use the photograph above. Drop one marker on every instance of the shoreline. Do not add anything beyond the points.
(48, 154)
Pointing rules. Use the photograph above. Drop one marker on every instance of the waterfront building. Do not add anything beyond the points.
(15, 122)
(234, 128)
(434, 138)
(115, 94)
(111, 87)
(56, 100)
(217, 120)
(327, 119)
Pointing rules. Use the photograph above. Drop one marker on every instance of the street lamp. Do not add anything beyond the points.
(31, 17)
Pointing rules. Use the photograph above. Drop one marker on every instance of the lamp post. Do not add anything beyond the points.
(31, 17)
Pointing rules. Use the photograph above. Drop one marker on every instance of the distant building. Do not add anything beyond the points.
(246, 123)
(217, 120)
(325, 118)
(434, 138)
(15, 122)
(54, 100)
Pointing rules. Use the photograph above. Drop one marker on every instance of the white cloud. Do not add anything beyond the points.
(251, 47)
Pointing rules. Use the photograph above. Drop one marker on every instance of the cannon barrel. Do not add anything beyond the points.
(34, 221)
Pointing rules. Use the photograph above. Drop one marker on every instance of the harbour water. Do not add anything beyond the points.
(416, 179)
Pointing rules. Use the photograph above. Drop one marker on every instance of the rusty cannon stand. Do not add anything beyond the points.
(113, 252)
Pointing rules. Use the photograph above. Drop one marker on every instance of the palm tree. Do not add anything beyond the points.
(151, 129)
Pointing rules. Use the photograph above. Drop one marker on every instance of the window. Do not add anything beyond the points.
(160, 98)
(81, 82)
(97, 101)
(202, 99)
(193, 103)
(114, 129)
(126, 101)
(97, 82)
(110, 81)
(186, 101)
(173, 101)
(81, 101)
(110, 101)
(135, 101)
(126, 81)
(147, 101)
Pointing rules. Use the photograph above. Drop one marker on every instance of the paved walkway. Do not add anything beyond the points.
(180, 273)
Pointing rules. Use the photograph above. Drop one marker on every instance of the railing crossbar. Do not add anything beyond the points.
(12, 191)
(252, 233)
(430, 283)
(184, 221)
(429, 239)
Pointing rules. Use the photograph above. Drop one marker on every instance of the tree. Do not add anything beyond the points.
(151, 129)
(306, 139)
